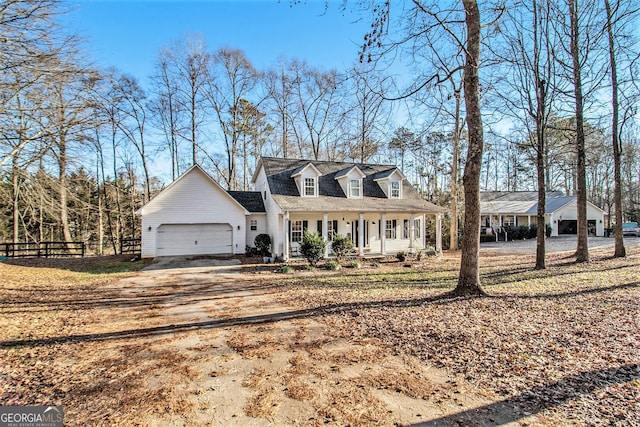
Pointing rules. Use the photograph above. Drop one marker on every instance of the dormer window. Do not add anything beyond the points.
(355, 188)
(395, 190)
(310, 187)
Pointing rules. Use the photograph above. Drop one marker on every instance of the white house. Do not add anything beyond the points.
(374, 205)
(519, 208)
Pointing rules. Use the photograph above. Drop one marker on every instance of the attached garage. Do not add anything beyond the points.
(193, 216)
(194, 239)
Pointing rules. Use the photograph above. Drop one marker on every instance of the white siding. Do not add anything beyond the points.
(274, 214)
(261, 225)
(193, 199)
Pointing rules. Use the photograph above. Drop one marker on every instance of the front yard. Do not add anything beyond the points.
(378, 345)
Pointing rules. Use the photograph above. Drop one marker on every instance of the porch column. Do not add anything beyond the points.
(325, 233)
(285, 224)
(439, 234)
(423, 233)
(412, 231)
(383, 234)
(529, 221)
(361, 235)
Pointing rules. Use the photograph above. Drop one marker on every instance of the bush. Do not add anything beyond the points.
(341, 246)
(548, 230)
(263, 244)
(333, 265)
(484, 238)
(355, 264)
(312, 247)
(402, 256)
(285, 269)
(249, 251)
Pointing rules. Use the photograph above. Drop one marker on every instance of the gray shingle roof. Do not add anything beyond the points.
(515, 196)
(512, 205)
(250, 200)
(330, 195)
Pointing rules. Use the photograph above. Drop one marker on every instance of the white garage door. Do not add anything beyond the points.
(194, 239)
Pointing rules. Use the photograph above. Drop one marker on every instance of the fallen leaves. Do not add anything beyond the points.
(564, 341)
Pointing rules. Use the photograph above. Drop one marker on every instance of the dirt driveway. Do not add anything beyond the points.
(221, 350)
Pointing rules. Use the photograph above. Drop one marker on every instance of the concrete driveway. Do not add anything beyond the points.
(555, 244)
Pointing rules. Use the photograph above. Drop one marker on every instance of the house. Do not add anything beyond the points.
(520, 208)
(374, 205)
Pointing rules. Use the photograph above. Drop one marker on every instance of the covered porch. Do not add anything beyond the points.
(372, 233)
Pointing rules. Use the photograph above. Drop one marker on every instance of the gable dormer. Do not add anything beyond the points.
(306, 178)
(390, 182)
(350, 181)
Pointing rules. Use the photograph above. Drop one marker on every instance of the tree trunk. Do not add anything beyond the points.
(15, 180)
(62, 183)
(469, 278)
(453, 206)
(582, 250)
(541, 102)
(619, 250)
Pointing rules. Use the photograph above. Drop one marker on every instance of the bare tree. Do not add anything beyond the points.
(529, 88)
(232, 78)
(187, 67)
(167, 110)
(132, 121)
(279, 82)
(370, 111)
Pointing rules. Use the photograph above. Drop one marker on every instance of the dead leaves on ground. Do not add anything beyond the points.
(564, 342)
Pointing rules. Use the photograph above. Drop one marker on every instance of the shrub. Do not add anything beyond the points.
(487, 238)
(263, 244)
(402, 256)
(548, 230)
(309, 267)
(355, 264)
(533, 231)
(375, 264)
(341, 246)
(333, 265)
(285, 269)
(312, 247)
(249, 251)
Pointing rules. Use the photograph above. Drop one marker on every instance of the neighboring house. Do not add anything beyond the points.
(374, 205)
(520, 208)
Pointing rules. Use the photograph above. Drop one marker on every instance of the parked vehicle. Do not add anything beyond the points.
(631, 229)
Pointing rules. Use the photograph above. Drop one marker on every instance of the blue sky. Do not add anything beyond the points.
(128, 34)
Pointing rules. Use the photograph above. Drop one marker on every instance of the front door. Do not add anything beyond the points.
(355, 235)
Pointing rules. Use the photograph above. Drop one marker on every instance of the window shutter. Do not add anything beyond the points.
(335, 226)
(305, 225)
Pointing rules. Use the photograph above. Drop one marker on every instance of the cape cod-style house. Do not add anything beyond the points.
(374, 205)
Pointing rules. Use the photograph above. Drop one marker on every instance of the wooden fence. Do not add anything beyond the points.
(42, 250)
(131, 246)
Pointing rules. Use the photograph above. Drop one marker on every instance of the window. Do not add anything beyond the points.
(332, 228)
(310, 187)
(253, 224)
(390, 230)
(405, 229)
(354, 188)
(395, 190)
(416, 226)
(296, 231)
